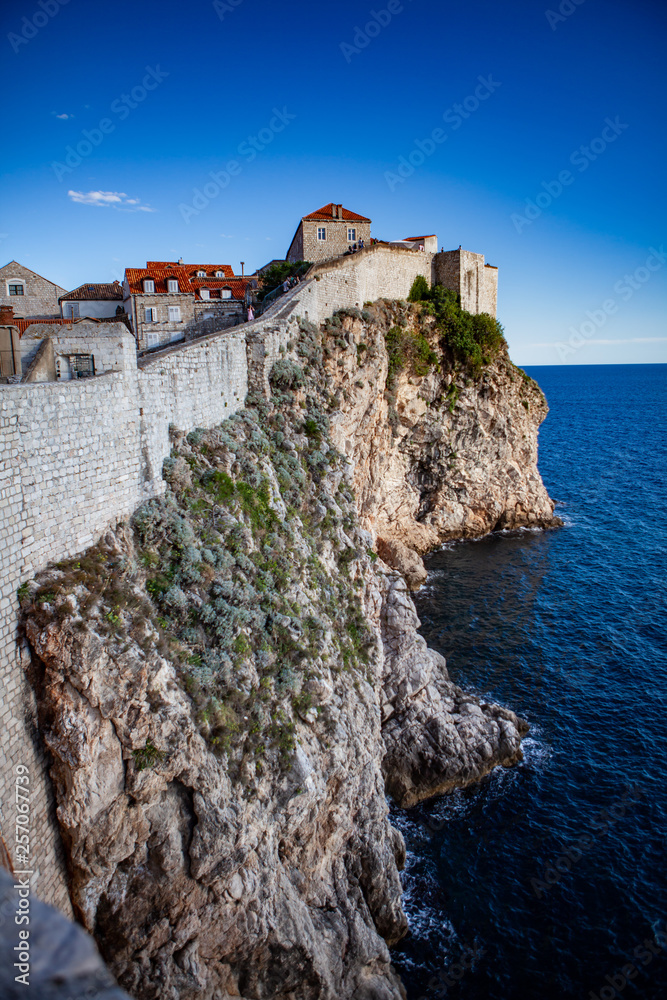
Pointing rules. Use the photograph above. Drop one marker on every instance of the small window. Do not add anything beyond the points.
(321, 233)
(16, 289)
(71, 310)
(152, 340)
(151, 315)
(174, 314)
(204, 293)
(225, 293)
(352, 236)
(201, 274)
(149, 285)
(172, 285)
(220, 274)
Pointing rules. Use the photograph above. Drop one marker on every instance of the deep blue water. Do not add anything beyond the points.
(566, 627)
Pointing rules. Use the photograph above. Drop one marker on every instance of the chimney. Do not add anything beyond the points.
(6, 315)
(340, 211)
(180, 261)
(242, 268)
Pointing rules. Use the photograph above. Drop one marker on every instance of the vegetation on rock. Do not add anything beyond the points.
(471, 340)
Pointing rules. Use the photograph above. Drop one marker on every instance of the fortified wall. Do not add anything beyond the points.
(78, 457)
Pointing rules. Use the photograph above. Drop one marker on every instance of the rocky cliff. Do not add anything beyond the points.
(229, 684)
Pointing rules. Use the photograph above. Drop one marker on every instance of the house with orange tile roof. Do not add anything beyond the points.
(167, 299)
(97, 301)
(328, 232)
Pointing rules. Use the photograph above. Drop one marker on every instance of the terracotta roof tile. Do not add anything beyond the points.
(23, 324)
(94, 293)
(325, 214)
(238, 285)
(135, 277)
(192, 268)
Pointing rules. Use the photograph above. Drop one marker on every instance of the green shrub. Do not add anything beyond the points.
(408, 350)
(286, 374)
(420, 291)
(147, 756)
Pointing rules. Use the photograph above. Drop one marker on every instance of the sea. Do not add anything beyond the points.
(548, 880)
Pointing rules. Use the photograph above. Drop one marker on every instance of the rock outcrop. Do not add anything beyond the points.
(229, 685)
(439, 456)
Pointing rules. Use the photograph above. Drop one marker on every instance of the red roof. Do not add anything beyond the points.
(135, 277)
(23, 324)
(187, 284)
(326, 214)
(94, 293)
(210, 269)
(238, 285)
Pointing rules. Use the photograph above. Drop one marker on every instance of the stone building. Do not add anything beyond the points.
(79, 349)
(167, 299)
(427, 243)
(29, 293)
(467, 274)
(96, 301)
(327, 233)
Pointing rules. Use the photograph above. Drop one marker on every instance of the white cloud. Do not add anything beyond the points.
(109, 199)
(226, 236)
(64, 116)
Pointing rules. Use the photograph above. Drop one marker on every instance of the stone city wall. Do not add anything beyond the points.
(77, 457)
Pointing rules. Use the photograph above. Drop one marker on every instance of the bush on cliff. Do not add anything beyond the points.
(407, 349)
(471, 340)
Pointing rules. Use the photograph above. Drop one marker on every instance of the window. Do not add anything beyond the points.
(352, 236)
(71, 310)
(201, 274)
(149, 285)
(321, 233)
(225, 293)
(174, 314)
(172, 285)
(16, 289)
(152, 340)
(151, 315)
(204, 293)
(220, 274)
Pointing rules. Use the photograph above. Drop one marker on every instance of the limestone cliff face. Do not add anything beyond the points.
(439, 456)
(229, 685)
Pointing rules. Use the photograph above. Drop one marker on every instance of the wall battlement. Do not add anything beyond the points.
(78, 457)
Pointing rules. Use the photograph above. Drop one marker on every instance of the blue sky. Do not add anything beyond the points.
(308, 110)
